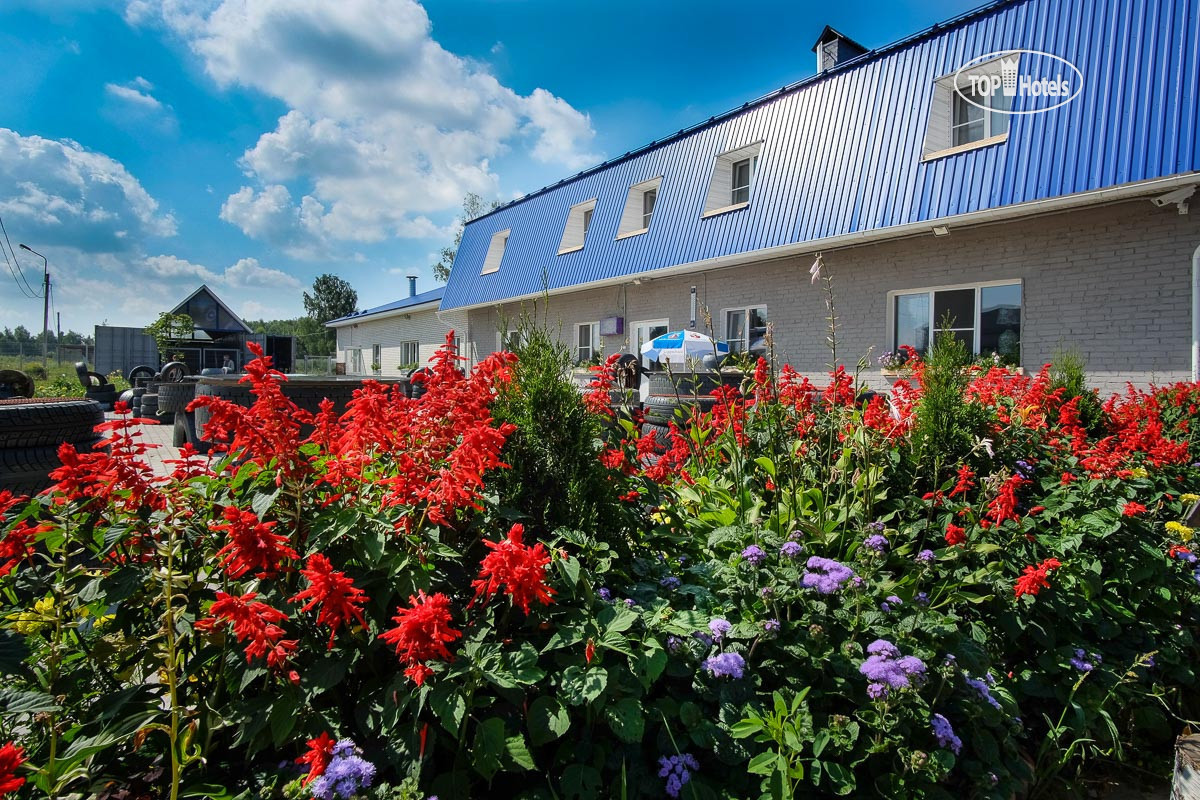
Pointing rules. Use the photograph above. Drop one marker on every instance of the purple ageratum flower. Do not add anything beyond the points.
(794, 536)
(1025, 468)
(703, 637)
(791, 549)
(670, 582)
(922, 599)
(984, 691)
(1186, 557)
(719, 628)
(886, 665)
(876, 526)
(877, 542)
(726, 665)
(346, 774)
(945, 734)
(890, 602)
(674, 643)
(877, 691)
(1079, 661)
(767, 591)
(825, 575)
(678, 771)
(605, 594)
(925, 556)
(771, 626)
(754, 554)
(629, 602)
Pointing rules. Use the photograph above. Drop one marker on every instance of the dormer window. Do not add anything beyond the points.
(639, 208)
(732, 180)
(495, 252)
(972, 113)
(579, 220)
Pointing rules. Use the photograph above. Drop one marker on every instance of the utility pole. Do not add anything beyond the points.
(58, 336)
(45, 307)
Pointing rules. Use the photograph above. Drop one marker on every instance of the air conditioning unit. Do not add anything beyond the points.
(612, 326)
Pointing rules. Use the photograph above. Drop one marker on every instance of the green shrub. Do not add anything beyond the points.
(947, 428)
(1069, 372)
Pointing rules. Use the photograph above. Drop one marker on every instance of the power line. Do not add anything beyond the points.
(27, 288)
(20, 285)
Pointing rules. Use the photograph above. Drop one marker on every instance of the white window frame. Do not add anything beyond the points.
(939, 131)
(633, 216)
(989, 118)
(377, 355)
(933, 329)
(593, 329)
(635, 346)
(415, 352)
(647, 216)
(745, 343)
(497, 247)
(503, 338)
(720, 197)
(575, 230)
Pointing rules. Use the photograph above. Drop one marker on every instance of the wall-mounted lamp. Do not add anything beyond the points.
(637, 281)
(693, 318)
(941, 230)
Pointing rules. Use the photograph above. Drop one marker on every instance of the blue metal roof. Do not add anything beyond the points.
(415, 300)
(842, 150)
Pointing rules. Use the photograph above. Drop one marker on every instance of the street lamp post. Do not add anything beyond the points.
(45, 307)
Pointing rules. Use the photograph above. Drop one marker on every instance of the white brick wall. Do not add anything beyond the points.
(428, 328)
(1113, 282)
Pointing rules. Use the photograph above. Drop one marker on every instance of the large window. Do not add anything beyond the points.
(743, 173)
(984, 317)
(732, 181)
(978, 117)
(495, 252)
(410, 353)
(639, 208)
(587, 341)
(579, 220)
(745, 329)
(644, 331)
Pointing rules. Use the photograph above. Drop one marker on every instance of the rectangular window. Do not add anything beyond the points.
(648, 199)
(645, 331)
(410, 354)
(977, 117)
(587, 220)
(587, 341)
(579, 219)
(495, 252)
(742, 173)
(376, 360)
(986, 318)
(511, 340)
(745, 329)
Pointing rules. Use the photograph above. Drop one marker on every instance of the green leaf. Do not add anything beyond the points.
(263, 501)
(626, 720)
(283, 719)
(15, 701)
(746, 728)
(569, 567)
(519, 752)
(548, 720)
(581, 781)
(841, 777)
(763, 763)
(490, 745)
(13, 652)
(580, 685)
(449, 706)
(819, 742)
(616, 619)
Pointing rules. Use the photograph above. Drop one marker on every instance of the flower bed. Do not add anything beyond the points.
(975, 589)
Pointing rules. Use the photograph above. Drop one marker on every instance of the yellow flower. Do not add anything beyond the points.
(1139, 472)
(32, 622)
(1179, 529)
(1189, 497)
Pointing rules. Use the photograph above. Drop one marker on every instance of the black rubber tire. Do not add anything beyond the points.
(661, 410)
(47, 422)
(26, 470)
(662, 436)
(125, 397)
(19, 384)
(140, 371)
(149, 407)
(151, 386)
(97, 381)
(81, 371)
(174, 372)
(174, 397)
(691, 384)
(138, 391)
(141, 383)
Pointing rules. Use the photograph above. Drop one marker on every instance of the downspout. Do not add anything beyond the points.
(1196, 315)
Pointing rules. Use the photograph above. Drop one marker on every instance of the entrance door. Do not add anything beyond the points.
(644, 332)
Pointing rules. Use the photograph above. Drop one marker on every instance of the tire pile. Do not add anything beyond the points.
(96, 386)
(31, 431)
(673, 396)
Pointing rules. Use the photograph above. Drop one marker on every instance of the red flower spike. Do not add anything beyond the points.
(1132, 509)
(11, 757)
(251, 544)
(519, 568)
(955, 535)
(1034, 579)
(16, 544)
(255, 621)
(320, 753)
(422, 633)
(340, 600)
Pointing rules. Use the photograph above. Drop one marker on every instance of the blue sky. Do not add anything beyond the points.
(148, 146)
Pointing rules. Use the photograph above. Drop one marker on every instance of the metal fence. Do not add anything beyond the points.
(315, 365)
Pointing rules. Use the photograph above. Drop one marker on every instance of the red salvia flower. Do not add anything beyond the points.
(8, 500)
(589, 651)
(422, 633)
(1132, 509)
(1033, 580)
(15, 545)
(255, 621)
(340, 600)
(966, 481)
(11, 757)
(320, 753)
(955, 535)
(1004, 505)
(521, 570)
(252, 545)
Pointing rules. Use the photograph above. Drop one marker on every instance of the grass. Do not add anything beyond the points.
(59, 380)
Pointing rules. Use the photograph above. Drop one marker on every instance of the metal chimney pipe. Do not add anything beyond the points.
(412, 285)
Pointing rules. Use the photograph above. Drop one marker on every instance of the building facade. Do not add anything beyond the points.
(395, 336)
(1020, 175)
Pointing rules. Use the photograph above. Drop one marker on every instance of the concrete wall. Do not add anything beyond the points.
(1113, 282)
(424, 327)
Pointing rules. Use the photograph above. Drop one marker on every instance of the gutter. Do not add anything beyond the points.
(429, 305)
(1196, 316)
(857, 238)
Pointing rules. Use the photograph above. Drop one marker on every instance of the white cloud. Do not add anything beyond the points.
(131, 94)
(386, 128)
(174, 267)
(247, 273)
(58, 193)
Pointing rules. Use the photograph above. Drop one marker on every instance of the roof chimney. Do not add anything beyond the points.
(833, 49)
(412, 285)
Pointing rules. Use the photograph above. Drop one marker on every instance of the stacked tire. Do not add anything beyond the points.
(674, 396)
(31, 431)
(96, 386)
(173, 399)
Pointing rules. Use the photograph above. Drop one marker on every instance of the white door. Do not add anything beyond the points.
(644, 332)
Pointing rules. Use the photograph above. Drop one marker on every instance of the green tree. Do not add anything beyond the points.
(331, 298)
(474, 206)
(167, 330)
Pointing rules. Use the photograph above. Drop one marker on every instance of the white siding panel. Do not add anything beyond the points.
(423, 327)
